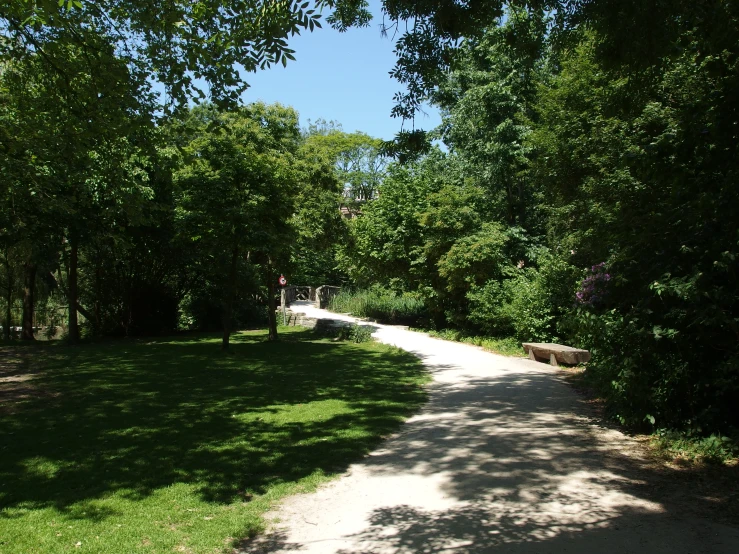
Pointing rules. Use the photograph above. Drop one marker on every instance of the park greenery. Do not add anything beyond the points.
(160, 446)
(586, 195)
(379, 303)
(580, 189)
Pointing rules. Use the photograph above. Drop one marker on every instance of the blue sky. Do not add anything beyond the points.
(339, 76)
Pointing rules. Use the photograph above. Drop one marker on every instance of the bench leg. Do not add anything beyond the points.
(553, 360)
(531, 355)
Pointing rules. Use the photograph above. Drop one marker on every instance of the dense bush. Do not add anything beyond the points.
(355, 333)
(517, 307)
(650, 376)
(530, 304)
(644, 177)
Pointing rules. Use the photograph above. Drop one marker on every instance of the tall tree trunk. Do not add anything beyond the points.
(230, 297)
(29, 287)
(271, 304)
(74, 330)
(98, 294)
(521, 206)
(8, 300)
(509, 205)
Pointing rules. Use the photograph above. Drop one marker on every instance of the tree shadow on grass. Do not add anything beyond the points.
(137, 416)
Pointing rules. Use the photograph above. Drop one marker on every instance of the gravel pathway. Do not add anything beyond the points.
(503, 459)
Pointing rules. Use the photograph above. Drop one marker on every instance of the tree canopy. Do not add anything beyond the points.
(177, 43)
(586, 193)
(237, 189)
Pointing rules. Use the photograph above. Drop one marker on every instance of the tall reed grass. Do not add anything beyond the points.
(384, 306)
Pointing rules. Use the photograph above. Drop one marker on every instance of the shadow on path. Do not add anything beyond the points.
(505, 457)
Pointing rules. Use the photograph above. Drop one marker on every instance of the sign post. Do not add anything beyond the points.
(283, 282)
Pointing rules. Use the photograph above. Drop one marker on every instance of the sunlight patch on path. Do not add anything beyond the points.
(501, 459)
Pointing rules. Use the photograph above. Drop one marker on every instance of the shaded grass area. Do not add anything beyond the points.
(508, 346)
(171, 445)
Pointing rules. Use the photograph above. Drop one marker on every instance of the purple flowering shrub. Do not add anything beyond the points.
(594, 287)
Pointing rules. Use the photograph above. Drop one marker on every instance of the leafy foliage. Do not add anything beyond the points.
(355, 333)
(382, 305)
(360, 165)
(238, 191)
(715, 448)
(180, 42)
(654, 159)
(587, 196)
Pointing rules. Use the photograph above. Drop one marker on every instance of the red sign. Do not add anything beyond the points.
(282, 281)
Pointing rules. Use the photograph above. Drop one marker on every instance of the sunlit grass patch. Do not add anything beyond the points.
(508, 346)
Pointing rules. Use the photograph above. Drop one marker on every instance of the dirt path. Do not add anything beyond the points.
(504, 458)
(18, 368)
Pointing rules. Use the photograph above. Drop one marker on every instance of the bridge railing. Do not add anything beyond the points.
(324, 295)
(320, 295)
(292, 293)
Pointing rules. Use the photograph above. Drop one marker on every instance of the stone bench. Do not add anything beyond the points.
(556, 353)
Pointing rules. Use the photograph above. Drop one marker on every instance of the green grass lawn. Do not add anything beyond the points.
(172, 446)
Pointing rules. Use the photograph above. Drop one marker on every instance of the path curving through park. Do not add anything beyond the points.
(504, 458)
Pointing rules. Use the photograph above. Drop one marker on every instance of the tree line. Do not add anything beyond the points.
(587, 195)
(143, 212)
(586, 192)
(185, 224)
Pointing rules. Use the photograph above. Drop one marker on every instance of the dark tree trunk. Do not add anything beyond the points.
(510, 209)
(521, 207)
(8, 301)
(74, 330)
(98, 300)
(230, 297)
(29, 287)
(439, 319)
(271, 304)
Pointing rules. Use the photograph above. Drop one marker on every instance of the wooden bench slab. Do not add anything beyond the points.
(556, 353)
